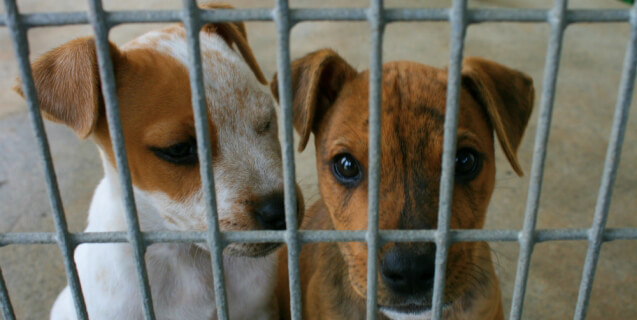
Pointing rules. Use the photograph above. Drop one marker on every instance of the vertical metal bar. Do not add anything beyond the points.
(377, 26)
(7, 308)
(557, 22)
(458, 21)
(281, 16)
(613, 155)
(67, 247)
(193, 26)
(101, 29)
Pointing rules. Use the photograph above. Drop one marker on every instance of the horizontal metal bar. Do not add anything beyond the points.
(311, 236)
(54, 19)
(114, 18)
(147, 16)
(541, 15)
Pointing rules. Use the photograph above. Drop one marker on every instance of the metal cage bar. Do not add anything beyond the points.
(527, 236)
(5, 301)
(281, 16)
(457, 19)
(377, 26)
(611, 164)
(193, 26)
(107, 77)
(67, 247)
(311, 236)
(31, 20)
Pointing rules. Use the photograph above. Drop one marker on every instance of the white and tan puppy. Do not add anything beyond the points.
(155, 103)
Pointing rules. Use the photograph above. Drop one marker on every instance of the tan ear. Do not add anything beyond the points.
(316, 80)
(507, 96)
(235, 33)
(68, 85)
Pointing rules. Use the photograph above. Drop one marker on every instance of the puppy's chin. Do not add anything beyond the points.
(251, 249)
(410, 311)
(416, 314)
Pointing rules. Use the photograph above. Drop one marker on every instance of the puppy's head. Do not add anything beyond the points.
(154, 96)
(331, 101)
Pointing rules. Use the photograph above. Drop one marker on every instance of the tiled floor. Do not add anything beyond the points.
(586, 93)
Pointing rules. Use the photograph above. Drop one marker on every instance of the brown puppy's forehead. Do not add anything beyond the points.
(412, 107)
(412, 122)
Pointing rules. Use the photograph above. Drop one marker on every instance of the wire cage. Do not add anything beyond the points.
(459, 17)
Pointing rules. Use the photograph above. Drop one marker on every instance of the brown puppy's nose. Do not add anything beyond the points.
(270, 212)
(408, 273)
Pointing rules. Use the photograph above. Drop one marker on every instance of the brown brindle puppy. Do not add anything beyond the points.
(331, 100)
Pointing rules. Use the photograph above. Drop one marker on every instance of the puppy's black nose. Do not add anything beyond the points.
(408, 273)
(270, 212)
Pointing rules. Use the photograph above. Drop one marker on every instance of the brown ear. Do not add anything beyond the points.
(239, 24)
(235, 33)
(316, 80)
(68, 84)
(507, 96)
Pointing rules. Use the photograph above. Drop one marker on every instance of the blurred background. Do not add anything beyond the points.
(587, 86)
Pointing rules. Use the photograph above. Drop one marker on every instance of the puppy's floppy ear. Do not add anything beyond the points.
(239, 25)
(68, 84)
(316, 80)
(507, 96)
(234, 33)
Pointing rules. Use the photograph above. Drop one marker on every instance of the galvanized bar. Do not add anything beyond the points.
(310, 236)
(281, 16)
(67, 247)
(458, 21)
(5, 301)
(527, 237)
(109, 91)
(507, 15)
(114, 18)
(613, 155)
(377, 27)
(47, 19)
(543, 15)
(603, 16)
(193, 26)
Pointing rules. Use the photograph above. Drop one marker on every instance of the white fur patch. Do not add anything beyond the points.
(406, 316)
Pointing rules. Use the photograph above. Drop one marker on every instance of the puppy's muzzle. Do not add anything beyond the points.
(408, 273)
(270, 212)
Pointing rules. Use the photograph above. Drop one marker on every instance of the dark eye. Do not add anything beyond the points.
(468, 164)
(265, 127)
(346, 170)
(183, 153)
